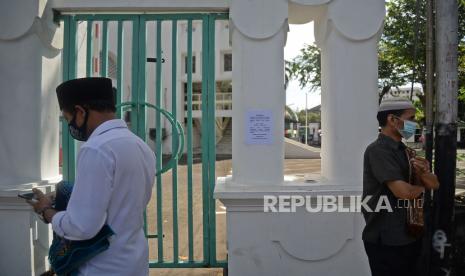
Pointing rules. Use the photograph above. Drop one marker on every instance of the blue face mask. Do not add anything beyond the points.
(408, 130)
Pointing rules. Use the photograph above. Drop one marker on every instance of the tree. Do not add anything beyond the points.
(306, 67)
(403, 19)
(312, 117)
(405, 35)
(396, 52)
(390, 74)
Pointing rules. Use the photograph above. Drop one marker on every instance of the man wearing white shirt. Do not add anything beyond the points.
(114, 177)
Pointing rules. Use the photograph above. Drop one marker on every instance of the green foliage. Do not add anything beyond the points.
(460, 170)
(460, 157)
(404, 34)
(390, 73)
(396, 52)
(398, 39)
(306, 67)
(312, 117)
(290, 114)
(419, 114)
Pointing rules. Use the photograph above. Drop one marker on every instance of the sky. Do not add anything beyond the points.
(297, 37)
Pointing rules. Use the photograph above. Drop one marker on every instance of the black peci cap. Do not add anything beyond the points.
(84, 91)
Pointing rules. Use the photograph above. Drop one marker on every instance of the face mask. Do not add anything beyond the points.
(78, 133)
(408, 130)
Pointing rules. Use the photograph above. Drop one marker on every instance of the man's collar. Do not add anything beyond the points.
(106, 126)
(391, 142)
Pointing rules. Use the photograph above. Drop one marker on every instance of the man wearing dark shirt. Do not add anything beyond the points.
(389, 247)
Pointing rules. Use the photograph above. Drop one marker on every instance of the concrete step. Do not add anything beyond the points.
(296, 150)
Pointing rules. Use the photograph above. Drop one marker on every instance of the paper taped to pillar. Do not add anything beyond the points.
(346, 16)
(252, 17)
(259, 127)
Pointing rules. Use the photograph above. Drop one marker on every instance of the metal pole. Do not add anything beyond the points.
(429, 92)
(446, 134)
(306, 119)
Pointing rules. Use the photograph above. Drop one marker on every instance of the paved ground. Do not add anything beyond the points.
(223, 168)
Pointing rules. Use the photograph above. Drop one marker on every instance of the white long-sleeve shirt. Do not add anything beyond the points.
(114, 179)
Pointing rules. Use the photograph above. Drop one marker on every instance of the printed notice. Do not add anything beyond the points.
(259, 127)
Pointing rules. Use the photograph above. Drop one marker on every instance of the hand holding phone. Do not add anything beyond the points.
(28, 196)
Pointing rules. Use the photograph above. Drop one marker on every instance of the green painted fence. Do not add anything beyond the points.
(139, 107)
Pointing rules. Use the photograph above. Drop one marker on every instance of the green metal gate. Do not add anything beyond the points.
(86, 33)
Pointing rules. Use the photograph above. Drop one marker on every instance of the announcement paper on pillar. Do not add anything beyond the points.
(259, 127)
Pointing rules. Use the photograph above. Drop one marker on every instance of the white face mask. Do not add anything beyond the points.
(409, 128)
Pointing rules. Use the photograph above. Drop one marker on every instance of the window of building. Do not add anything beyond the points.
(227, 62)
(196, 95)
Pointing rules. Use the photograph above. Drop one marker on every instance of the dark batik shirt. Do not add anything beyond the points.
(385, 160)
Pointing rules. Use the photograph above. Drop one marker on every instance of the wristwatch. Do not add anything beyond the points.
(41, 214)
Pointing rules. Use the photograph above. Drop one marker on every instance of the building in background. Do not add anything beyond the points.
(223, 76)
(404, 92)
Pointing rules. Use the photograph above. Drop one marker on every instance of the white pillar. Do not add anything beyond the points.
(30, 70)
(258, 86)
(349, 101)
(300, 242)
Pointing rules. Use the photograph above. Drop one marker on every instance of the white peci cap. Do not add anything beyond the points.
(395, 104)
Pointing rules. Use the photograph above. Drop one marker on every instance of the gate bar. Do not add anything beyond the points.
(211, 139)
(190, 221)
(141, 92)
(104, 57)
(89, 61)
(120, 70)
(137, 78)
(174, 102)
(66, 142)
(205, 164)
(158, 143)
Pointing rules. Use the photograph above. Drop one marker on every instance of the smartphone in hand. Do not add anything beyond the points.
(27, 196)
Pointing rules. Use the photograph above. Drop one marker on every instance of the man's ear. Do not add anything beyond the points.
(80, 114)
(390, 119)
(78, 108)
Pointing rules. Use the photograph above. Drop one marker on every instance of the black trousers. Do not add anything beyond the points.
(388, 260)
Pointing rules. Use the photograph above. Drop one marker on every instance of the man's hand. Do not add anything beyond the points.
(422, 169)
(42, 201)
(51, 196)
(421, 165)
(429, 181)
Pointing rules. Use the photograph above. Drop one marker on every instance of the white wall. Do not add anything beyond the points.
(30, 69)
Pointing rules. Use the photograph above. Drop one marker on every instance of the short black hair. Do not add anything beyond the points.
(382, 115)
